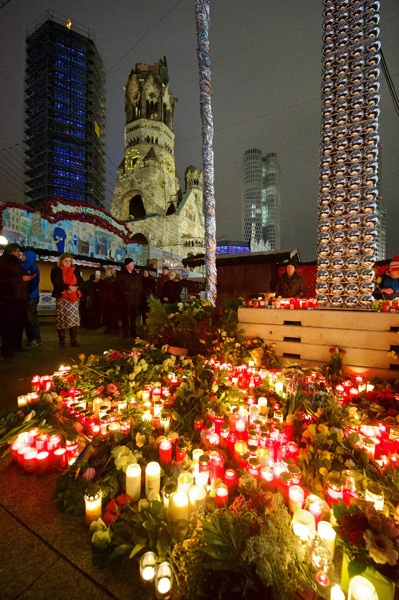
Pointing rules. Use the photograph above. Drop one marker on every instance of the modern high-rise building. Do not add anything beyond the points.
(261, 198)
(65, 114)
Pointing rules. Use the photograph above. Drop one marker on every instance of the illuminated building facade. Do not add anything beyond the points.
(261, 198)
(65, 115)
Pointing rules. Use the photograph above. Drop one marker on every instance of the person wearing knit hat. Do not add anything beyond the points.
(129, 288)
(290, 284)
(390, 280)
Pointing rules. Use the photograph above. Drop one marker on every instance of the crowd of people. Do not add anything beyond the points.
(114, 299)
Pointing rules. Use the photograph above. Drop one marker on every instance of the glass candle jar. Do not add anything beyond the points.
(93, 503)
(148, 563)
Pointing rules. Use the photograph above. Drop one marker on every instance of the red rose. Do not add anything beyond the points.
(122, 499)
(112, 506)
(109, 519)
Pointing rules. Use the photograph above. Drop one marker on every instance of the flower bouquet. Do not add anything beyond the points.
(370, 543)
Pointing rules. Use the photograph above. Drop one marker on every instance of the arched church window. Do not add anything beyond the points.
(136, 207)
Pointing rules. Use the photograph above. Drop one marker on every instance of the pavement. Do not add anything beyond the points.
(46, 554)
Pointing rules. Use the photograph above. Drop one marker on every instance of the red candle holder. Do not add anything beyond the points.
(165, 452)
(221, 495)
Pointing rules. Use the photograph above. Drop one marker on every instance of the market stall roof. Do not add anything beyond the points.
(279, 257)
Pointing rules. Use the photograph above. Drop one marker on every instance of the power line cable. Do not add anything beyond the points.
(145, 35)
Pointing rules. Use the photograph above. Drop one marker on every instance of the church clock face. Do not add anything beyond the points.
(132, 159)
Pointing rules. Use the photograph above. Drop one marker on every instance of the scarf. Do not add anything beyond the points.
(69, 277)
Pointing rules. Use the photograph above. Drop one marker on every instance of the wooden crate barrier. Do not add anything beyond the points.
(307, 336)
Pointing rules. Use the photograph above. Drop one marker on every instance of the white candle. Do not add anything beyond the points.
(152, 480)
(361, 588)
(184, 482)
(163, 585)
(328, 535)
(178, 507)
(296, 497)
(336, 593)
(163, 580)
(197, 496)
(93, 503)
(133, 482)
(148, 564)
(303, 522)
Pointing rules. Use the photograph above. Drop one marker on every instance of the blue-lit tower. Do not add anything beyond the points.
(65, 115)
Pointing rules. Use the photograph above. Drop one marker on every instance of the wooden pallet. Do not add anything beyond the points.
(307, 336)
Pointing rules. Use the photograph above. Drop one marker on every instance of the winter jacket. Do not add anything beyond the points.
(30, 267)
(12, 286)
(58, 281)
(129, 286)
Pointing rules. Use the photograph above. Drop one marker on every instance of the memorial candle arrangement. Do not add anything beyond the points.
(38, 452)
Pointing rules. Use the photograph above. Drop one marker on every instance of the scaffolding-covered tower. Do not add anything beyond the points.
(65, 115)
(347, 212)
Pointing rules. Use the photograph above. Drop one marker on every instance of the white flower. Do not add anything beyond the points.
(381, 548)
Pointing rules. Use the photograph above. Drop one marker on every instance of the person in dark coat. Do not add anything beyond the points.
(171, 289)
(109, 302)
(129, 287)
(13, 299)
(148, 290)
(91, 301)
(163, 278)
(32, 328)
(290, 284)
(67, 283)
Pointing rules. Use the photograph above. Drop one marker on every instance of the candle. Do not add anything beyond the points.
(322, 579)
(296, 497)
(336, 593)
(369, 447)
(59, 459)
(152, 480)
(334, 488)
(145, 395)
(375, 494)
(181, 452)
(230, 479)
(361, 588)
(263, 407)
(221, 495)
(216, 466)
(240, 448)
(148, 564)
(165, 421)
(315, 505)
(197, 452)
(327, 535)
(163, 581)
(133, 482)
(167, 491)
(97, 402)
(165, 452)
(53, 442)
(303, 522)
(29, 458)
(42, 462)
(178, 507)
(184, 482)
(197, 496)
(93, 503)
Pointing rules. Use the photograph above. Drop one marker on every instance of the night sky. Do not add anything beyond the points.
(266, 79)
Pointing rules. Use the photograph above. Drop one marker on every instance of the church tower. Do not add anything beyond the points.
(148, 195)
